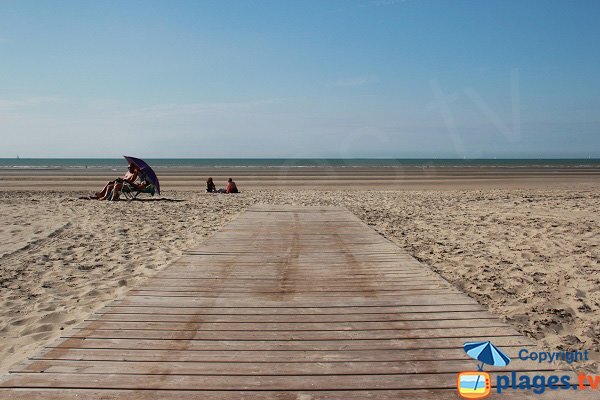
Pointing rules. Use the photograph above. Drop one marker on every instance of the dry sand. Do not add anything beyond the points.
(530, 255)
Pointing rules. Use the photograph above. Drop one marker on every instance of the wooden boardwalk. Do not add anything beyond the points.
(285, 302)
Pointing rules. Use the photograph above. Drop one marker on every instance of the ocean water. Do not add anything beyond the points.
(66, 163)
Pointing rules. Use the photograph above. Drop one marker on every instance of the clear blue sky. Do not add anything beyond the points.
(300, 78)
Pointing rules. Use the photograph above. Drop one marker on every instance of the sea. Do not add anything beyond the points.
(113, 163)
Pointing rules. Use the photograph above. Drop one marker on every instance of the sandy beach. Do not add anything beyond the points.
(419, 193)
(525, 245)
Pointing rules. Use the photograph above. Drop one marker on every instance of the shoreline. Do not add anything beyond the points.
(396, 178)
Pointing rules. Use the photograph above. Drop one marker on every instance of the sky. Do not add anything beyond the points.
(292, 78)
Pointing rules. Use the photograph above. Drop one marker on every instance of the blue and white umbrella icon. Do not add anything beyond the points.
(487, 353)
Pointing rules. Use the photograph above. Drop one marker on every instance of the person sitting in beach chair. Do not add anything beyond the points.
(130, 177)
(231, 186)
(131, 190)
(210, 186)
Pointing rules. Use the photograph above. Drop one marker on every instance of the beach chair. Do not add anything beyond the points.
(131, 192)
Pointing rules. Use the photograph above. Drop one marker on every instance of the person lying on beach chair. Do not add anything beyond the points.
(131, 190)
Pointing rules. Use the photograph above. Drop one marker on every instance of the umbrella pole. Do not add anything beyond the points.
(476, 383)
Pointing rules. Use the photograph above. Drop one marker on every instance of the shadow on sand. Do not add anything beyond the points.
(161, 199)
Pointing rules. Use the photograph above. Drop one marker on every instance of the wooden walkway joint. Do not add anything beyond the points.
(284, 302)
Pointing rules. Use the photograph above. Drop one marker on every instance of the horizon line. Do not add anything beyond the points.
(309, 158)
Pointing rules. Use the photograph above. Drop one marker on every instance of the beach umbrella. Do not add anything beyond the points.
(146, 170)
(487, 353)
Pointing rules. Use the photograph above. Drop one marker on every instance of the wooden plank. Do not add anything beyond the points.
(257, 282)
(240, 279)
(294, 335)
(358, 394)
(301, 302)
(299, 326)
(323, 310)
(318, 289)
(300, 275)
(288, 291)
(241, 382)
(287, 345)
(260, 368)
(265, 265)
(293, 318)
(321, 286)
(389, 355)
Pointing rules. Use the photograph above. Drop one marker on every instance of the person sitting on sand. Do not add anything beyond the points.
(210, 186)
(130, 176)
(231, 186)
